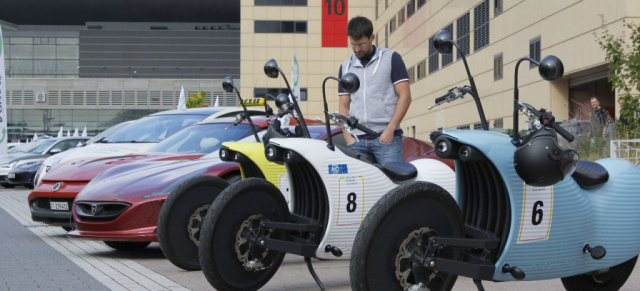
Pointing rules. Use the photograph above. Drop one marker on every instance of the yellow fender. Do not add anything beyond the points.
(273, 172)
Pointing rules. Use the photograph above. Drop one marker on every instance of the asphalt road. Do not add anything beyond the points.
(34, 256)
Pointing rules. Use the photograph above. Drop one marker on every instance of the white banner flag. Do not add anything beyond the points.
(3, 103)
(295, 77)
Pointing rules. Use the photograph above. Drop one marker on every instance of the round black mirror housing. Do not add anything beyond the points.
(350, 83)
(443, 42)
(281, 99)
(271, 69)
(551, 68)
(227, 84)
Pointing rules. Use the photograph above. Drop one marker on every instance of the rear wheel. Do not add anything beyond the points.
(398, 225)
(127, 245)
(230, 255)
(603, 280)
(181, 216)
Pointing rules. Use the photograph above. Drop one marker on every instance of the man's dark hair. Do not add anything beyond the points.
(359, 27)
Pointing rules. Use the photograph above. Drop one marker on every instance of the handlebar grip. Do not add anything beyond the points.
(440, 99)
(561, 131)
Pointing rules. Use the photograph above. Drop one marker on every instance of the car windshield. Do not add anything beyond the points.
(109, 131)
(37, 147)
(153, 129)
(202, 138)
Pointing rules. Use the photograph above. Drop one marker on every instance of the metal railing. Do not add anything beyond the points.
(628, 149)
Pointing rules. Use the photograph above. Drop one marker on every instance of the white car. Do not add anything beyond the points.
(142, 134)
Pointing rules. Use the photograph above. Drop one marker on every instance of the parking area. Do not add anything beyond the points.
(40, 257)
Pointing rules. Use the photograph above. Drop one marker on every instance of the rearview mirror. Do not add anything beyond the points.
(350, 83)
(551, 68)
(443, 42)
(227, 84)
(271, 69)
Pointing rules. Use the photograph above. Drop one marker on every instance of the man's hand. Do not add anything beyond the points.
(387, 136)
(348, 138)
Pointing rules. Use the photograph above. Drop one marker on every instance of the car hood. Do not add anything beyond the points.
(145, 180)
(19, 156)
(85, 169)
(96, 150)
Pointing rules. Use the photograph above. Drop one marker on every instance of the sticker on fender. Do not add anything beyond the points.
(350, 200)
(536, 214)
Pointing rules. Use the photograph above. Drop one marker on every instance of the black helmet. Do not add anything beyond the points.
(540, 161)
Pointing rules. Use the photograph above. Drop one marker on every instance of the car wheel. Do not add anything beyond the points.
(127, 245)
(229, 257)
(181, 218)
(609, 279)
(6, 185)
(396, 227)
(233, 179)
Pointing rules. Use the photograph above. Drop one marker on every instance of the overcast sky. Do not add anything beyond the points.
(78, 12)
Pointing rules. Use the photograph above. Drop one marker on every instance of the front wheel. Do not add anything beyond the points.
(181, 216)
(230, 254)
(603, 280)
(398, 225)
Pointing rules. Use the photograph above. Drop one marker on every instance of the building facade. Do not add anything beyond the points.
(494, 33)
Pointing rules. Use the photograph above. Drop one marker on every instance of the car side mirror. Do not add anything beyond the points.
(55, 151)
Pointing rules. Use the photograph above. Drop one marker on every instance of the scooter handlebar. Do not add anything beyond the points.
(561, 131)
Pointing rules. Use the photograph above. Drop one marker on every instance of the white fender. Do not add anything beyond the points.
(436, 172)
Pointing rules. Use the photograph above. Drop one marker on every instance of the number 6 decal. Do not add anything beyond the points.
(350, 200)
(536, 214)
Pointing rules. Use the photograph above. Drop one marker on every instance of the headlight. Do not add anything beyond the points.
(27, 163)
(8, 165)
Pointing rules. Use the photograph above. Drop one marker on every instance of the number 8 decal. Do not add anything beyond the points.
(350, 200)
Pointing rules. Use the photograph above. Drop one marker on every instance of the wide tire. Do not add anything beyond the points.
(235, 216)
(181, 216)
(127, 245)
(380, 259)
(609, 280)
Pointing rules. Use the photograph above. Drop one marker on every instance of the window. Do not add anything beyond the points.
(497, 7)
(448, 59)
(411, 8)
(267, 26)
(481, 25)
(412, 74)
(262, 92)
(280, 3)
(477, 126)
(413, 131)
(497, 67)
(534, 51)
(433, 57)
(422, 69)
(464, 127)
(498, 123)
(421, 3)
(392, 25)
(463, 26)
(386, 36)
(401, 16)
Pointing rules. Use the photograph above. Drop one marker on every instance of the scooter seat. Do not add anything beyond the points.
(399, 171)
(589, 174)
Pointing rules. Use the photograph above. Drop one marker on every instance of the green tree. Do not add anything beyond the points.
(196, 100)
(623, 55)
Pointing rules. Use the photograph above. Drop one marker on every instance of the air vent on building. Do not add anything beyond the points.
(41, 97)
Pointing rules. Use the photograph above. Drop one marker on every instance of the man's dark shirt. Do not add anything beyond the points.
(601, 115)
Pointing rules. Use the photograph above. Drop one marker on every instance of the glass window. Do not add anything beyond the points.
(202, 138)
(280, 3)
(262, 92)
(497, 7)
(44, 52)
(38, 147)
(66, 40)
(21, 40)
(67, 52)
(481, 25)
(534, 51)
(44, 67)
(266, 26)
(497, 67)
(463, 26)
(448, 59)
(422, 69)
(67, 67)
(154, 128)
(67, 144)
(433, 57)
(22, 52)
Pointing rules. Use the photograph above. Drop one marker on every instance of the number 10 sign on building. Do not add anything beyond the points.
(334, 23)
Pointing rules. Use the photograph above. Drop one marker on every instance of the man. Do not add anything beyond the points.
(622, 120)
(600, 118)
(382, 99)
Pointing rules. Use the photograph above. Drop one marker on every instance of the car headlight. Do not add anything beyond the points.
(27, 163)
(8, 165)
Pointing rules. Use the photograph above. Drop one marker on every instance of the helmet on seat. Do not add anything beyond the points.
(540, 161)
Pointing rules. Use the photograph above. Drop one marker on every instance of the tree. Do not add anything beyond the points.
(624, 73)
(196, 100)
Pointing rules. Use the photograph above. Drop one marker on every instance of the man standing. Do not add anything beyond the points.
(383, 98)
(600, 118)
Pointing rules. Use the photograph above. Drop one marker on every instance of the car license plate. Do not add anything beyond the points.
(12, 176)
(59, 205)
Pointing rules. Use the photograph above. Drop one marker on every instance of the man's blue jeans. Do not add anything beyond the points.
(377, 152)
